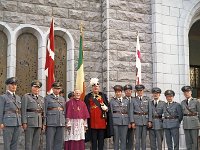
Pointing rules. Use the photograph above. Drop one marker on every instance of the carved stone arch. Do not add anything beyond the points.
(28, 45)
(4, 42)
(69, 62)
(186, 20)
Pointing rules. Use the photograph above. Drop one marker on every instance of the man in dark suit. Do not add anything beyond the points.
(10, 115)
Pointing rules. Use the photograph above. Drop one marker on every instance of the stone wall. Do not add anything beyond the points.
(125, 18)
(110, 28)
(121, 21)
(67, 14)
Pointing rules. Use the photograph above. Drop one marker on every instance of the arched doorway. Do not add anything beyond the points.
(194, 60)
(3, 60)
(26, 64)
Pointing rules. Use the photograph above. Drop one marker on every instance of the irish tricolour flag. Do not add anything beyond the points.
(80, 81)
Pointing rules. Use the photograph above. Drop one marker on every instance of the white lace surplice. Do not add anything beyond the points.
(77, 131)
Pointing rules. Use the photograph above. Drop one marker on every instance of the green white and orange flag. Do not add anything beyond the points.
(80, 81)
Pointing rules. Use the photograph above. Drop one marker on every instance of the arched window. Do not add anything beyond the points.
(26, 61)
(60, 60)
(3, 60)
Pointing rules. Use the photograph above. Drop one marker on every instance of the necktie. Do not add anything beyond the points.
(14, 96)
(140, 99)
(155, 104)
(187, 101)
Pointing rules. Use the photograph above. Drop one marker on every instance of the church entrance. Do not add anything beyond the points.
(194, 58)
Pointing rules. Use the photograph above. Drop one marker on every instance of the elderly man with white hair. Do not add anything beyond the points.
(99, 125)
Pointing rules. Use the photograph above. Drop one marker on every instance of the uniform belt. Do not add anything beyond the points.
(140, 113)
(17, 111)
(34, 110)
(191, 114)
(56, 108)
(171, 117)
(119, 112)
(157, 117)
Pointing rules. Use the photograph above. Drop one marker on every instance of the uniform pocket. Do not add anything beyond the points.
(52, 118)
(10, 120)
(31, 120)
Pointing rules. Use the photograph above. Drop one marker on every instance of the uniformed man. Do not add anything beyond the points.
(10, 115)
(128, 89)
(156, 132)
(140, 116)
(99, 125)
(55, 118)
(173, 116)
(191, 118)
(119, 110)
(32, 116)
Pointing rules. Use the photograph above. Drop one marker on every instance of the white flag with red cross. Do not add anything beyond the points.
(138, 62)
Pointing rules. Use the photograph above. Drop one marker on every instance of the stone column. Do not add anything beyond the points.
(170, 47)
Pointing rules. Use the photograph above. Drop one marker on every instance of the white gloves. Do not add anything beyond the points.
(104, 107)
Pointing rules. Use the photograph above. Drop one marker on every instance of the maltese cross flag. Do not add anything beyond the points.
(49, 65)
(138, 62)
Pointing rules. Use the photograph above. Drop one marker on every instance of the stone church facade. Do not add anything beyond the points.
(167, 39)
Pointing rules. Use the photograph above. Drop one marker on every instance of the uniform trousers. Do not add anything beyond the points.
(11, 137)
(172, 136)
(97, 138)
(140, 137)
(191, 138)
(32, 138)
(120, 133)
(130, 139)
(54, 138)
(156, 138)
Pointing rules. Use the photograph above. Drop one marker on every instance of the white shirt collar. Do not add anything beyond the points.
(55, 95)
(189, 99)
(156, 100)
(11, 92)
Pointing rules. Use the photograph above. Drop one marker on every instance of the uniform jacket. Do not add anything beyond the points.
(137, 106)
(8, 106)
(191, 122)
(54, 117)
(157, 113)
(31, 103)
(109, 125)
(119, 111)
(172, 110)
